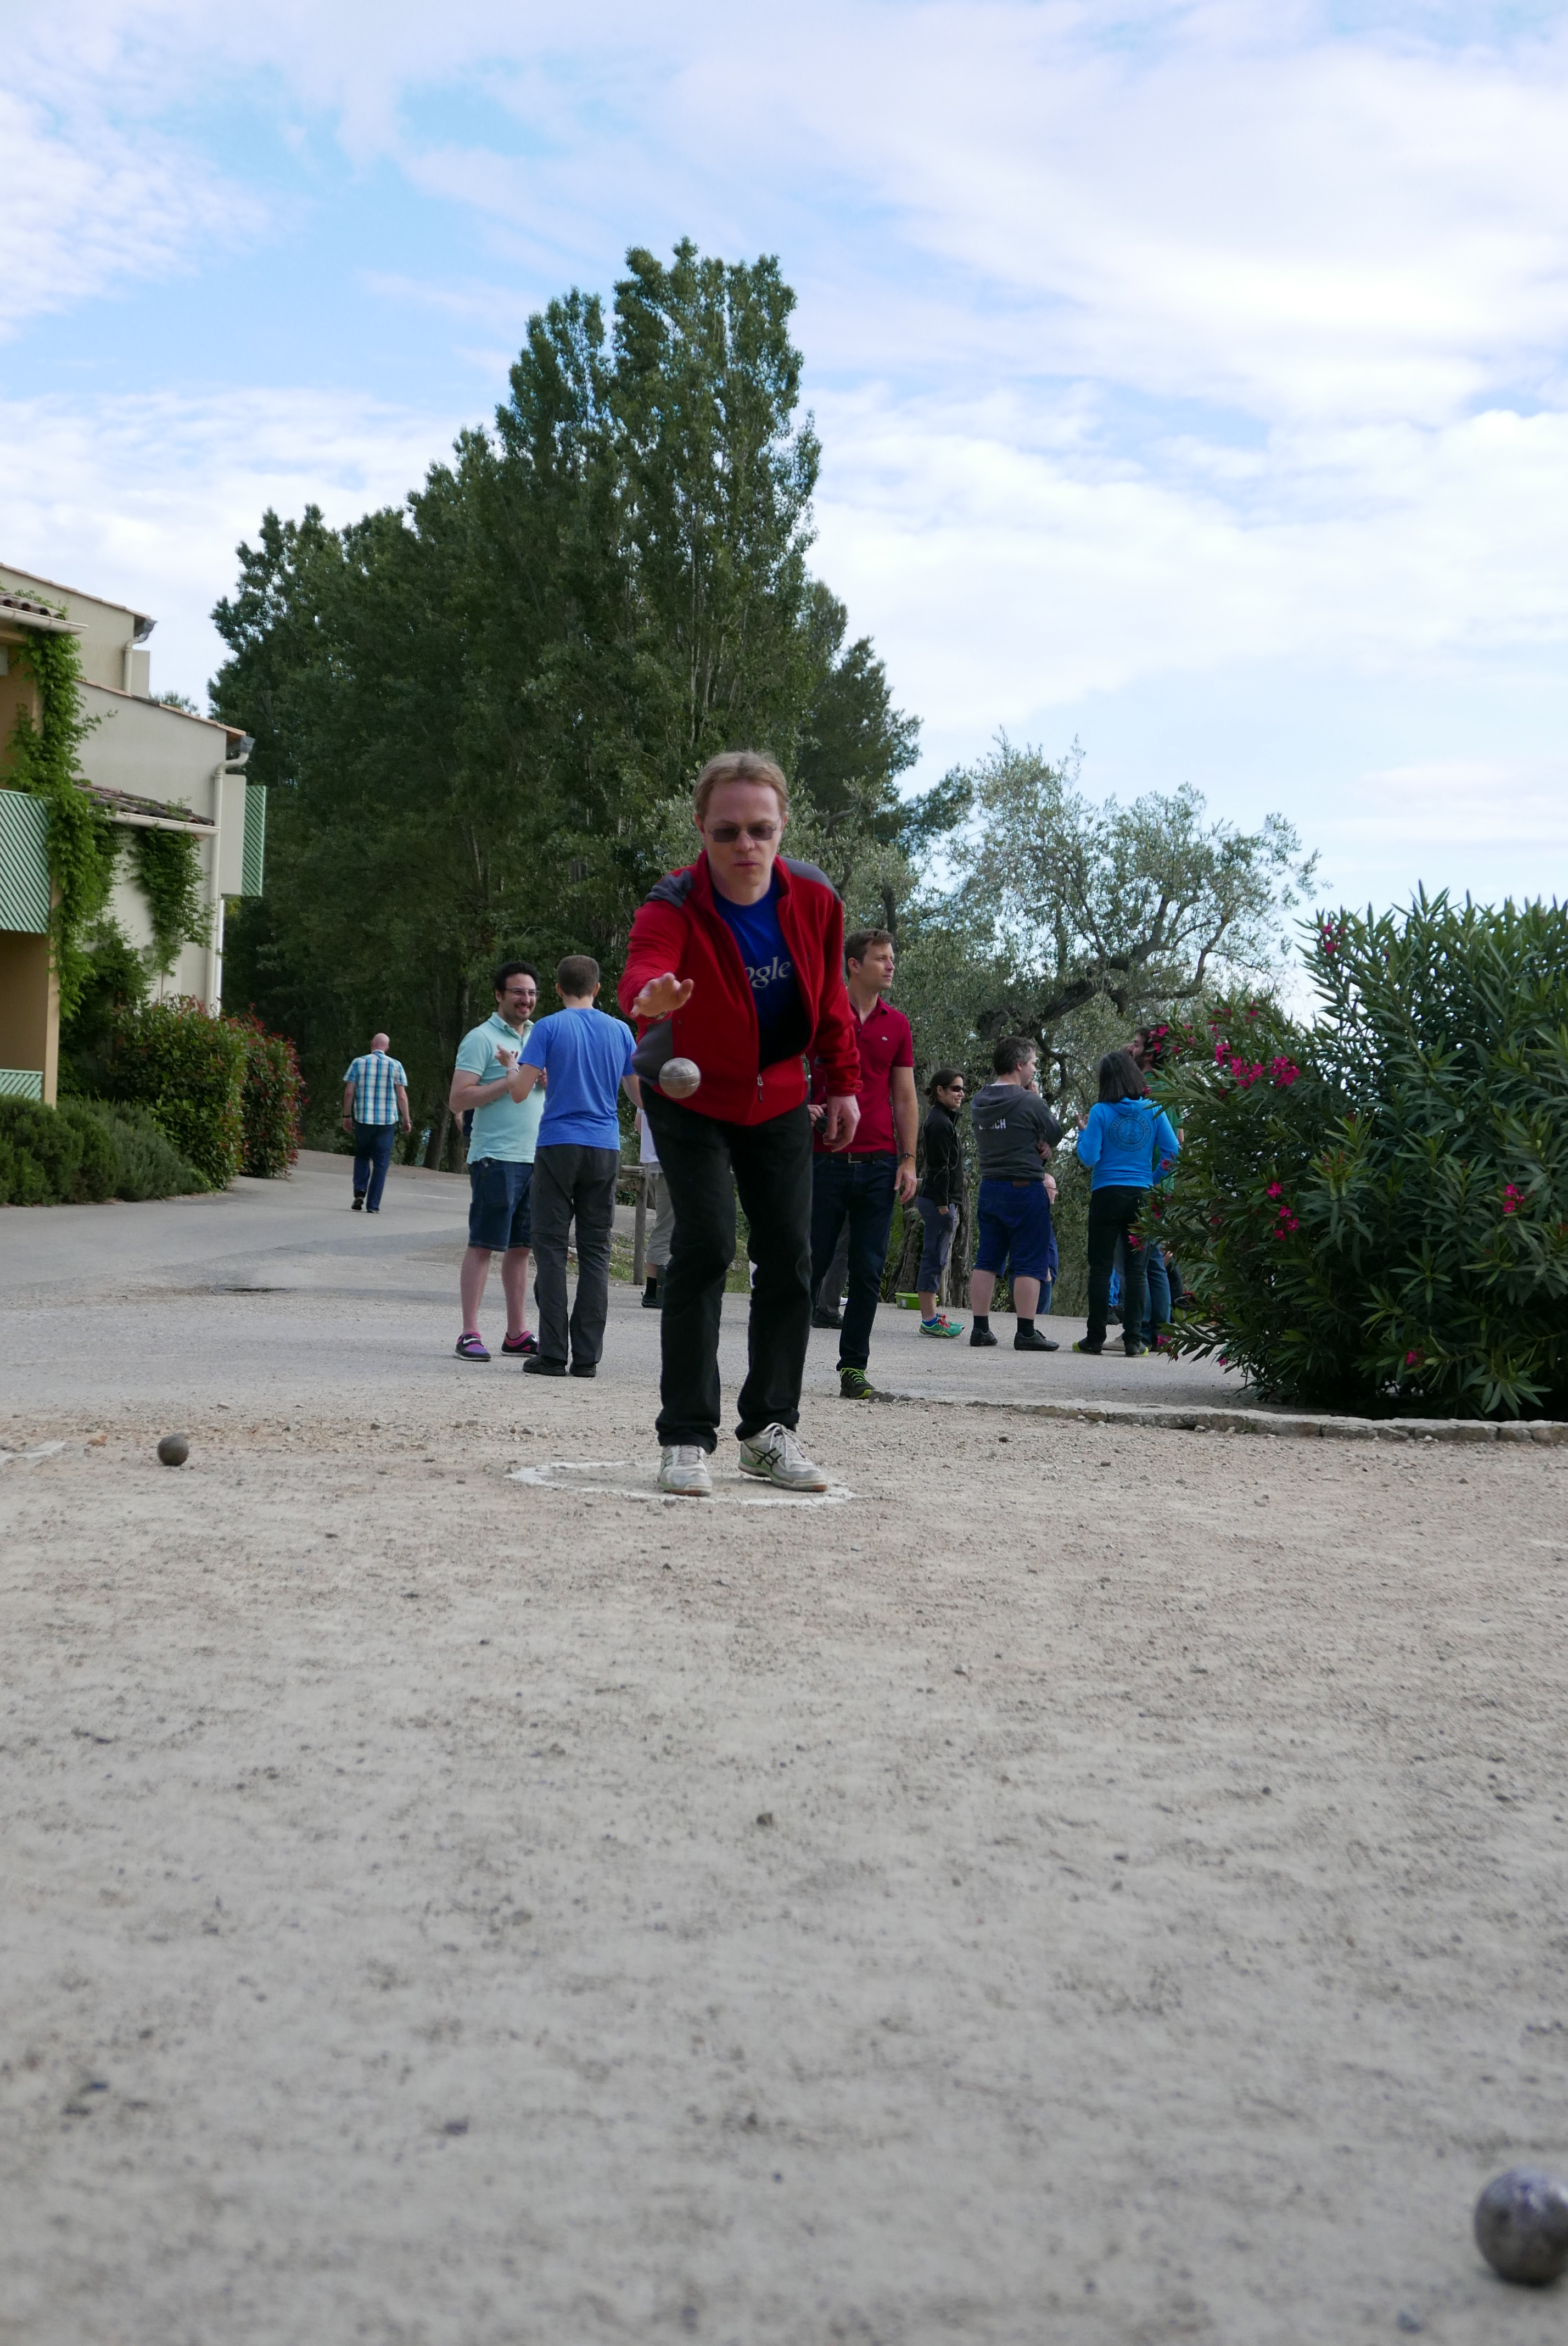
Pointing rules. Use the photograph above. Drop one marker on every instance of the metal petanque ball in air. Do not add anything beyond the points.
(1521, 2225)
(678, 1078)
(174, 1450)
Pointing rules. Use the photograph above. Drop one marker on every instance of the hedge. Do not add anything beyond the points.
(188, 1070)
(84, 1151)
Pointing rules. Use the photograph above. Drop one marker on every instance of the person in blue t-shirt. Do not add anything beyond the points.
(1124, 1137)
(585, 1057)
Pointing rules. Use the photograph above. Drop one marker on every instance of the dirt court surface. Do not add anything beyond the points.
(1078, 1884)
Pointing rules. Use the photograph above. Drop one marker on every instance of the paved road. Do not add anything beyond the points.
(275, 1290)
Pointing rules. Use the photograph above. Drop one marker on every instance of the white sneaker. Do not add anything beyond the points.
(774, 1456)
(684, 1471)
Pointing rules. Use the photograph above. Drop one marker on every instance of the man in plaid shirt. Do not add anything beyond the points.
(375, 1102)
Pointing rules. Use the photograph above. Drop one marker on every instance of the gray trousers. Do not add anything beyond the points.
(663, 1229)
(571, 1181)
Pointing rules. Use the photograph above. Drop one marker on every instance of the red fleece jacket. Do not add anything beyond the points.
(679, 928)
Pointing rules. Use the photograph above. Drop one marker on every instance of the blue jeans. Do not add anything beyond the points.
(860, 1190)
(372, 1154)
(1159, 1292)
(939, 1226)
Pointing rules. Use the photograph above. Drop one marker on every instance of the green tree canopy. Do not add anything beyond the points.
(1084, 917)
(478, 712)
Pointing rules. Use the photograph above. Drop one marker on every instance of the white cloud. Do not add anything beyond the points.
(144, 501)
(88, 209)
(1479, 802)
(1010, 578)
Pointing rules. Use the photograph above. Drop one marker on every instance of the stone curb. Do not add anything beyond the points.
(1176, 1420)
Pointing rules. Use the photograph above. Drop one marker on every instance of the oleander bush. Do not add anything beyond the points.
(273, 1102)
(84, 1151)
(1371, 1210)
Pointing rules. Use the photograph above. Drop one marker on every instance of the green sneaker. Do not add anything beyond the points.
(855, 1385)
(942, 1326)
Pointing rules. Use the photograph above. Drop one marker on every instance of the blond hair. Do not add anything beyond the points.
(740, 766)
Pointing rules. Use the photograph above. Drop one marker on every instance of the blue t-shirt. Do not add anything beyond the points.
(767, 964)
(585, 1054)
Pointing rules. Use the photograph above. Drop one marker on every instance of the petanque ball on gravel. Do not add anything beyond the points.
(174, 1450)
(678, 1078)
(1521, 2225)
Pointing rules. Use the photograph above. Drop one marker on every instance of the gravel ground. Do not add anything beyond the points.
(1073, 1884)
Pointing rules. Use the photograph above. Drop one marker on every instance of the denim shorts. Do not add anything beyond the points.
(1014, 1223)
(498, 1215)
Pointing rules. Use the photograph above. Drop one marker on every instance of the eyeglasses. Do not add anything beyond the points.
(725, 834)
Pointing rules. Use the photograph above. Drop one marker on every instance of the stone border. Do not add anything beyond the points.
(1197, 1419)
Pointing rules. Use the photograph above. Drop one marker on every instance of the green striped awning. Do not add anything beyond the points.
(255, 838)
(23, 862)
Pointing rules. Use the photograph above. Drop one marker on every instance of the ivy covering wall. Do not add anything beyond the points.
(44, 758)
(168, 869)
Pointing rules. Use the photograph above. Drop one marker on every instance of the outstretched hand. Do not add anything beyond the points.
(662, 996)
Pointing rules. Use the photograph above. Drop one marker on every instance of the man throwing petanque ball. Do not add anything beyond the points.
(734, 965)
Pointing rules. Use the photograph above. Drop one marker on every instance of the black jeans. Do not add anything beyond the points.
(705, 1162)
(569, 1180)
(1111, 1213)
(372, 1154)
(858, 1190)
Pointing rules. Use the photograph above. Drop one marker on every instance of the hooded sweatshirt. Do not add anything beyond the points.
(1123, 1140)
(1009, 1124)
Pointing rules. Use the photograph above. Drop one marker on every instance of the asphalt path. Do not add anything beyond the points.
(275, 1289)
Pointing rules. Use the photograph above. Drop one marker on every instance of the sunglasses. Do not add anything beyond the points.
(725, 834)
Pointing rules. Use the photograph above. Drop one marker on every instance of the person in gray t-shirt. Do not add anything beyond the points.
(1014, 1133)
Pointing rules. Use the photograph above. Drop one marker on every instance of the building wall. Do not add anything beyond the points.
(139, 747)
(108, 630)
(161, 754)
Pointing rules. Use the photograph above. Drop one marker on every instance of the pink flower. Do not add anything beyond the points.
(1512, 1199)
(1413, 1360)
(1275, 1189)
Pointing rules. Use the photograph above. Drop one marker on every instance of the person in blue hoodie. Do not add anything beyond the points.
(1123, 1140)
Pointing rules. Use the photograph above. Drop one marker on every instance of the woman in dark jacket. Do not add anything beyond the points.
(942, 1186)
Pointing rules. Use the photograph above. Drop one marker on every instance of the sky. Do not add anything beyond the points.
(1192, 379)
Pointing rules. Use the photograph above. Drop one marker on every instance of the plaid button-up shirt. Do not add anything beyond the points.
(375, 1078)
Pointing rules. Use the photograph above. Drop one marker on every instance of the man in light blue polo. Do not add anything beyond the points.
(375, 1102)
(500, 1158)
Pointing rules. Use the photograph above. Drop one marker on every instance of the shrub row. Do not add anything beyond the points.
(84, 1151)
(226, 1093)
(191, 1101)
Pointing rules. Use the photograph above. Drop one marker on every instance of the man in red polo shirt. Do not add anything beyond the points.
(859, 1183)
